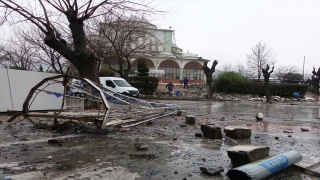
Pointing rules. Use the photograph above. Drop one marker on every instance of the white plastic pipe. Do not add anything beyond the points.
(265, 167)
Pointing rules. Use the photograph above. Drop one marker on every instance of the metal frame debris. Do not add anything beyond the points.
(138, 111)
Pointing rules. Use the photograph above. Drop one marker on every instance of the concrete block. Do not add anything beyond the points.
(211, 131)
(245, 154)
(190, 119)
(11, 112)
(181, 113)
(237, 132)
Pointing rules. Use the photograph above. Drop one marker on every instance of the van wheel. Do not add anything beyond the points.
(77, 94)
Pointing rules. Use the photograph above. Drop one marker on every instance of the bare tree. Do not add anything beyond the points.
(266, 76)
(61, 19)
(281, 71)
(208, 72)
(120, 39)
(260, 56)
(18, 54)
(227, 67)
(50, 59)
(241, 69)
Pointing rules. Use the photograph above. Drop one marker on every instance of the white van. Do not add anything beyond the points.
(119, 85)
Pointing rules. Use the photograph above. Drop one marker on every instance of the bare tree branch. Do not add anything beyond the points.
(285, 69)
(66, 18)
(260, 56)
(120, 39)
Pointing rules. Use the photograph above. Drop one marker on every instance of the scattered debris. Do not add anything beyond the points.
(237, 132)
(139, 146)
(245, 154)
(54, 141)
(304, 129)
(198, 134)
(212, 170)
(262, 168)
(211, 131)
(259, 116)
(287, 132)
(99, 97)
(181, 113)
(144, 156)
(190, 119)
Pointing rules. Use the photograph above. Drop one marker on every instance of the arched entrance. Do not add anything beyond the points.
(193, 71)
(171, 68)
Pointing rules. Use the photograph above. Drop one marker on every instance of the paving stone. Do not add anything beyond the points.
(198, 134)
(212, 170)
(245, 154)
(211, 131)
(181, 113)
(237, 132)
(190, 119)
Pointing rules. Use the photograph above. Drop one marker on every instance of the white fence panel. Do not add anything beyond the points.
(16, 84)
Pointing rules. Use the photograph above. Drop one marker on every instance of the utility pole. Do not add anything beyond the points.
(304, 60)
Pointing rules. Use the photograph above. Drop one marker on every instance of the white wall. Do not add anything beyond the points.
(16, 84)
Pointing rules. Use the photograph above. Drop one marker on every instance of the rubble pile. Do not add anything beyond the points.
(198, 92)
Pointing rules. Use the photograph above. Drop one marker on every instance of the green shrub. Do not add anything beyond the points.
(228, 81)
(146, 85)
(287, 90)
(105, 72)
(281, 89)
(142, 67)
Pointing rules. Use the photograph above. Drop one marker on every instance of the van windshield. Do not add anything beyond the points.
(121, 83)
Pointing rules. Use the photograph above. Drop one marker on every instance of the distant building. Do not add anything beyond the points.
(271, 80)
(162, 53)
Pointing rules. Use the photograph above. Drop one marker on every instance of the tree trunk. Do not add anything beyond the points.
(86, 64)
(267, 90)
(209, 87)
(208, 72)
(266, 76)
(316, 87)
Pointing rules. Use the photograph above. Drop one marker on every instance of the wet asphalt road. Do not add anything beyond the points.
(178, 153)
(292, 114)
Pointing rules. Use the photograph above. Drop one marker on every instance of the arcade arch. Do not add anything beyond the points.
(193, 71)
(171, 68)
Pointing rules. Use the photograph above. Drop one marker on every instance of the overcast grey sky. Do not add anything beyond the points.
(227, 30)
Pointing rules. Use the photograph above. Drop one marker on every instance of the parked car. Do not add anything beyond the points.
(119, 85)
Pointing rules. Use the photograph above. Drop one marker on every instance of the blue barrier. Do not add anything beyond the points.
(296, 94)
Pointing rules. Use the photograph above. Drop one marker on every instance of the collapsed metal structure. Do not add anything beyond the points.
(134, 111)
